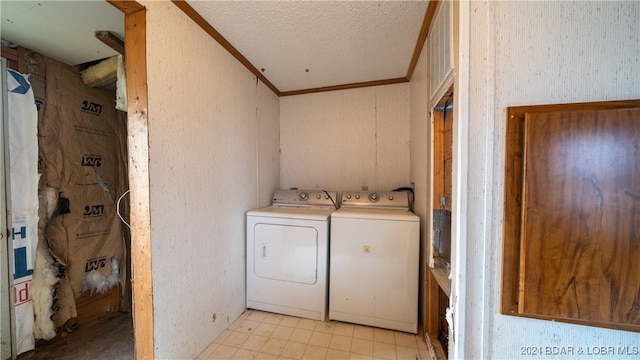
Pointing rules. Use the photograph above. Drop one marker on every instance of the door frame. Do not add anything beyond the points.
(138, 153)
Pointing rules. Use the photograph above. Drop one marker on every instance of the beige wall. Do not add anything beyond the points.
(527, 53)
(347, 139)
(421, 157)
(213, 148)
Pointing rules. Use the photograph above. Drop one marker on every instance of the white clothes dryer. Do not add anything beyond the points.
(287, 254)
(374, 261)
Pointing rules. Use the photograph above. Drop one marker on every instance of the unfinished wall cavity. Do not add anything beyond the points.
(82, 160)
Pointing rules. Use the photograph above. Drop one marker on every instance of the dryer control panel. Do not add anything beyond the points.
(305, 198)
(389, 199)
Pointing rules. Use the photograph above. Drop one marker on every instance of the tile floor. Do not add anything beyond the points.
(263, 335)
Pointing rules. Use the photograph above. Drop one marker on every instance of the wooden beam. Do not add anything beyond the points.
(138, 144)
(111, 40)
(10, 53)
(126, 6)
(15, 58)
(432, 325)
(102, 73)
(22, 61)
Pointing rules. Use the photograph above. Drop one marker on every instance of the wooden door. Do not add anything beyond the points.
(580, 217)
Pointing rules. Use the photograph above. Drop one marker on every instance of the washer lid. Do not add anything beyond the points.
(294, 212)
(374, 213)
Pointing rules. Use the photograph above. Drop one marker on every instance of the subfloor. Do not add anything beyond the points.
(106, 338)
(262, 335)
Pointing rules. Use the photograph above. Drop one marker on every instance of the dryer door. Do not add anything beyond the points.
(286, 253)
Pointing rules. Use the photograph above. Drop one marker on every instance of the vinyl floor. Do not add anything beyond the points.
(263, 335)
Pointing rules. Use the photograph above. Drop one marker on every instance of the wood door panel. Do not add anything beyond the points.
(580, 237)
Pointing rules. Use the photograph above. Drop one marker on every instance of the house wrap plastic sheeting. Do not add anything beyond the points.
(23, 207)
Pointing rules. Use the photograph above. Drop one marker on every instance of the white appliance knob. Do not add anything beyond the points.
(348, 196)
(304, 196)
(390, 197)
(357, 196)
(318, 196)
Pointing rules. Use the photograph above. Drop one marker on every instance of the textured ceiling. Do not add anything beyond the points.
(299, 44)
(311, 44)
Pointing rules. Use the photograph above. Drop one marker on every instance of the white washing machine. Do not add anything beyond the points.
(375, 247)
(288, 254)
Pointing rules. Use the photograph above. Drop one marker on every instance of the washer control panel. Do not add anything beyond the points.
(305, 198)
(395, 199)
